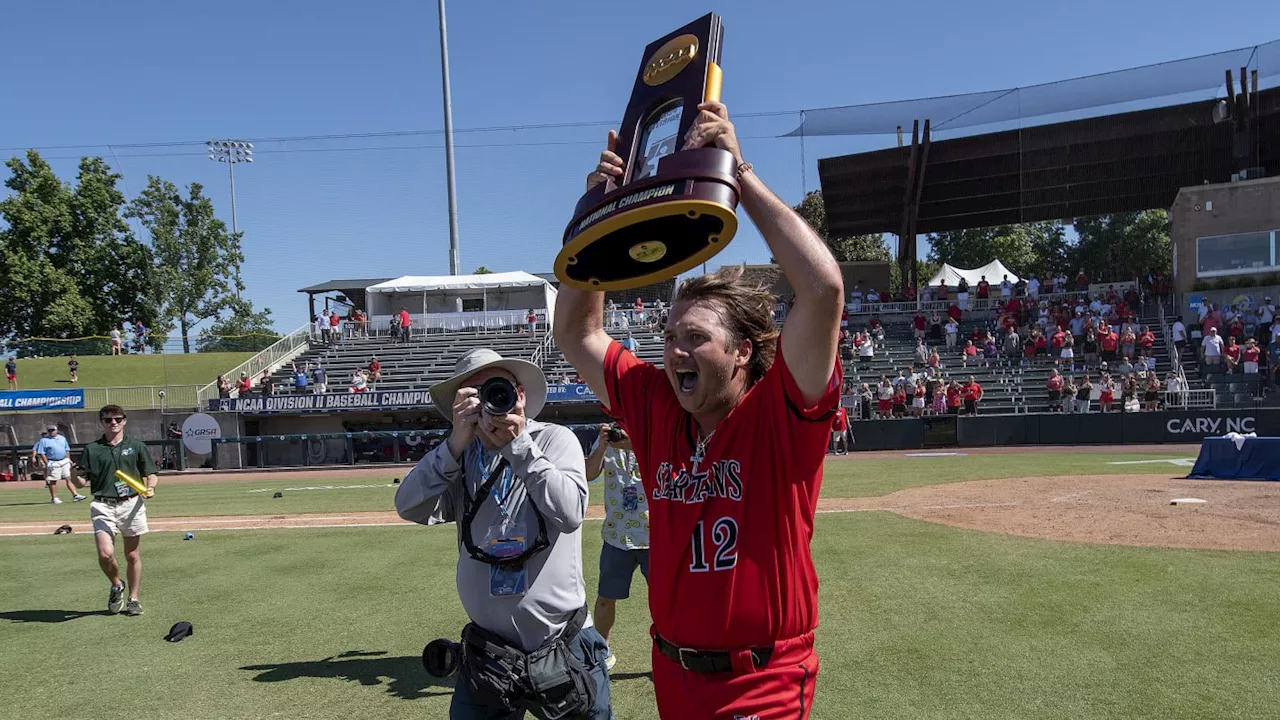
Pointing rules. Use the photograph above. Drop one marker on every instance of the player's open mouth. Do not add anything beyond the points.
(686, 380)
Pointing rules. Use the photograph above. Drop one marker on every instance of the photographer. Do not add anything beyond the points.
(626, 524)
(517, 490)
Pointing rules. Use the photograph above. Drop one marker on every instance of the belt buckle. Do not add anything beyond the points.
(680, 654)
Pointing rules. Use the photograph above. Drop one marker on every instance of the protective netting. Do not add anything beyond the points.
(1179, 81)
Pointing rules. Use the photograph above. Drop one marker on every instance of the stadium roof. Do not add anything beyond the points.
(336, 285)
(1117, 163)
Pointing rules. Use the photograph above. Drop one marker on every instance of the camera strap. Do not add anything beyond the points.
(472, 507)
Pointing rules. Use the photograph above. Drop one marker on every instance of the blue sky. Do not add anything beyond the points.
(115, 76)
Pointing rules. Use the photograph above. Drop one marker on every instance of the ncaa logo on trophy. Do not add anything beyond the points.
(673, 209)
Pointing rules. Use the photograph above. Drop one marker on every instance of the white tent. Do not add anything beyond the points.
(994, 271)
(456, 301)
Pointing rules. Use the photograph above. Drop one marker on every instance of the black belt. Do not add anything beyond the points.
(113, 500)
(707, 661)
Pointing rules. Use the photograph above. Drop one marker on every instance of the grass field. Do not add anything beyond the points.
(852, 478)
(120, 370)
(918, 620)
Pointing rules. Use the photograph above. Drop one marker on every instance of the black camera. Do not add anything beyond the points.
(616, 434)
(498, 396)
(440, 658)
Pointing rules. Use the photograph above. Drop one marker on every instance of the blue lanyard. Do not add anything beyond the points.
(501, 489)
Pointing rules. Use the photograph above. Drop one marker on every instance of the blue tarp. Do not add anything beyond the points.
(1258, 458)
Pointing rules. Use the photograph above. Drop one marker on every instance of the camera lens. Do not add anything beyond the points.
(440, 658)
(498, 396)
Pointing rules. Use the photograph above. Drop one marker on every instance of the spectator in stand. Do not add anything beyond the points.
(917, 400)
(73, 367)
(375, 369)
(970, 354)
(405, 324)
(359, 383)
(1012, 344)
(972, 396)
(1069, 353)
(1173, 387)
(266, 385)
(630, 343)
(1069, 391)
(899, 400)
(1151, 396)
(1055, 385)
(919, 323)
(224, 387)
(962, 294)
(320, 380)
(335, 326)
(952, 332)
(1232, 354)
(1056, 342)
(935, 360)
(1129, 395)
(855, 298)
(953, 312)
(116, 342)
(877, 333)
(1107, 394)
(1033, 287)
(1179, 336)
(361, 322)
(11, 369)
(839, 426)
(1109, 342)
(873, 298)
(1090, 349)
(1266, 315)
(243, 385)
(984, 293)
(921, 353)
(884, 398)
(1084, 393)
(866, 351)
(865, 397)
(322, 326)
(1128, 341)
(1125, 367)
(299, 379)
(990, 354)
(637, 311)
(1250, 357)
(531, 321)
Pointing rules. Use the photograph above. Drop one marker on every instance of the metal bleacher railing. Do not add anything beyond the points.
(1187, 397)
(275, 355)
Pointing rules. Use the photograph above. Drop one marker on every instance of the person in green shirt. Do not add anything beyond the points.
(116, 507)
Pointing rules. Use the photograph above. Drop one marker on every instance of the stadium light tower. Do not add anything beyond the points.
(231, 152)
(454, 259)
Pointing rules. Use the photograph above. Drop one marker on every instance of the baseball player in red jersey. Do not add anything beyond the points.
(730, 435)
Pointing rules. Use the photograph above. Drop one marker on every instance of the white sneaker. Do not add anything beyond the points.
(78, 497)
(56, 501)
(610, 661)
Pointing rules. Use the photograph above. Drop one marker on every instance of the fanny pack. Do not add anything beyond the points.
(550, 681)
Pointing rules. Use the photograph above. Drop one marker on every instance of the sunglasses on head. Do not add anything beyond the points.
(111, 420)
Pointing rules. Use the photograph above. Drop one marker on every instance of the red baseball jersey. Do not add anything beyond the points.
(729, 535)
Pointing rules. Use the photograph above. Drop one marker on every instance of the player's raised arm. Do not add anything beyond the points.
(579, 322)
(811, 333)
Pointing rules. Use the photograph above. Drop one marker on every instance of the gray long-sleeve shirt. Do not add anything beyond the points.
(549, 470)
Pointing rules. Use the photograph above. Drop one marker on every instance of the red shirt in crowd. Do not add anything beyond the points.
(1055, 382)
(733, 528)
(953, 312)
(984, 288)
(1146, 339)
(404, 318)
(1041, 344)
(1251, 354)
(953, 396)
(973, 391)
(840, 422)
(919, 322)
(1059, 338)
(1109, 341)
(1232, 351)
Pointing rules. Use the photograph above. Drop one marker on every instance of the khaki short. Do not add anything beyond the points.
(129, 518)
(57, 470)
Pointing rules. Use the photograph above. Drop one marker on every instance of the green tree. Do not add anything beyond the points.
(197, 260)
(38, 298)
(240, 329)
(852, 248)
(1120, 246)
(482, 270)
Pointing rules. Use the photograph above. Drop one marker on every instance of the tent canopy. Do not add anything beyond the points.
(448, 293)
(994, 271)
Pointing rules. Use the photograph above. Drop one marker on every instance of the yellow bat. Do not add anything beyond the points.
(133, 483)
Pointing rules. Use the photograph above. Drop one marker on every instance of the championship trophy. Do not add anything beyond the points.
(672, 209)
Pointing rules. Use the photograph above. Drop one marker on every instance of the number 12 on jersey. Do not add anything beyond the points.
(724, 535)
